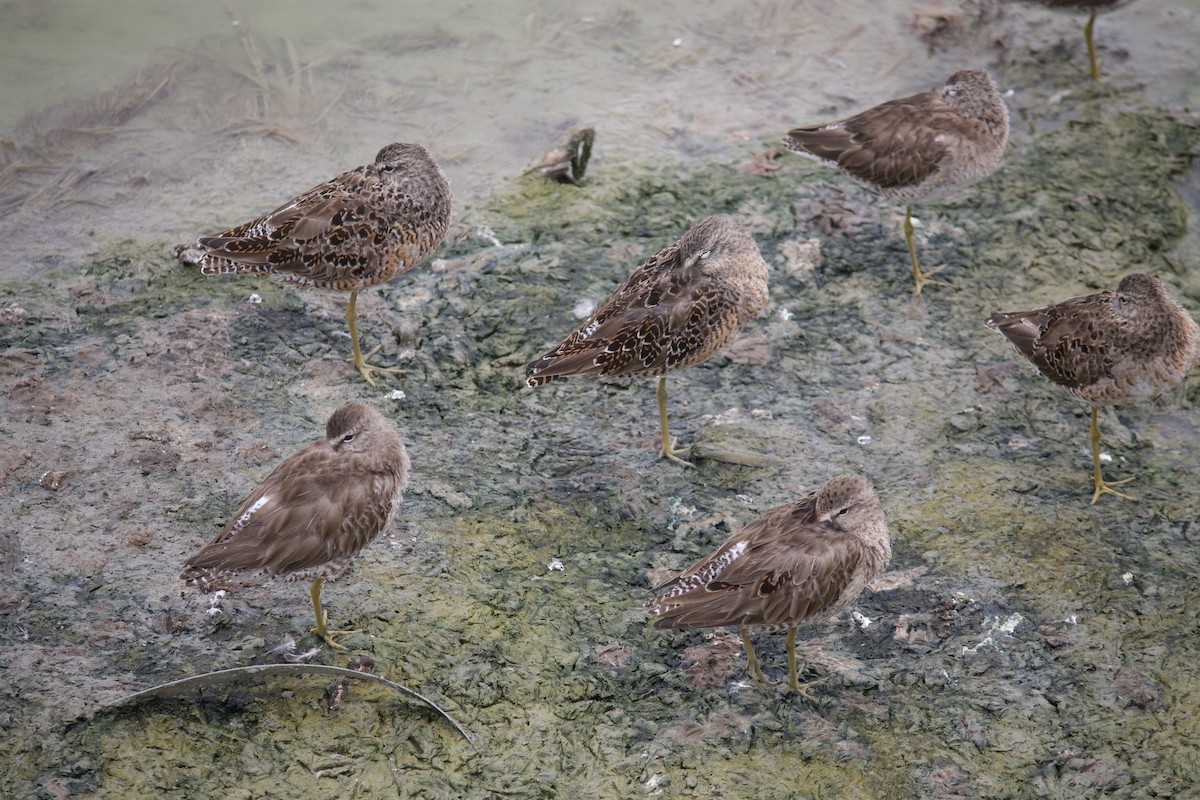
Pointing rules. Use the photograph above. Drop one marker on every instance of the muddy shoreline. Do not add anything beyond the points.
(1022, 644)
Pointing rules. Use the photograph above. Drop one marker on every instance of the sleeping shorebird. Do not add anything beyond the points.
(677, 308)
(362, 228)
(313, 514)
(916, 148)
(799, 563)
(1107, 348)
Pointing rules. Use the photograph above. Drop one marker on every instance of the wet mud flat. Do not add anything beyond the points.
(1023, 643)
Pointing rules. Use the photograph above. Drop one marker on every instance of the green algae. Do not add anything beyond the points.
(512, 586)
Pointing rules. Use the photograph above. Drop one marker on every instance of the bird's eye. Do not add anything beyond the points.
(844, 511)
(349, 437)
(704, 253)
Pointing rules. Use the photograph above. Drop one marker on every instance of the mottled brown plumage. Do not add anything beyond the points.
(916, 148)
(1107, 348)
(313, 513)
(799, 563)
(676, 309)
(362, 228)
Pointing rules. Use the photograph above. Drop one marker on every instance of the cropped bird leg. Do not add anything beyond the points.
(667, 449)
(793, 676)
(919, 278)
(360, 363)
(321, 629)
(1091, 45)
(752, 665)
(1102, 486)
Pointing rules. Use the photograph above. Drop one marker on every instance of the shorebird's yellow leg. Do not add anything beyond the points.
(752, 665)
(919, 278)
(1091, 45)
(322, 627)
(793, 676)
(667, 448)
(1102, 486)
(360, 363)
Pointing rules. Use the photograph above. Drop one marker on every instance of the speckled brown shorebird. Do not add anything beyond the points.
(677, 308)
(362, 228)
(799, 563)
(1108, 348)
(916, 148)
(314, 513)
(1092, 7)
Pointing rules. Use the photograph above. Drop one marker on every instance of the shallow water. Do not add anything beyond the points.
(229, 115)
(1024, 644)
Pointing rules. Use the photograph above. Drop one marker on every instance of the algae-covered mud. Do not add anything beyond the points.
(1023, 643)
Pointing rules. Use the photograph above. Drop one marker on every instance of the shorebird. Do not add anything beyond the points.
(313, 514)
(799, 563)
(916, 148)
(676, 309)
(362, 228)
(1107, 348)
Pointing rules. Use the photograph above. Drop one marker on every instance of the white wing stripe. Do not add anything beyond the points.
(245, 518)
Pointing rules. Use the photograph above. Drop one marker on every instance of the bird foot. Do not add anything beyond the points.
(668, 450)
(328, 636)
(793, 685)
(321, 629)
(802, 689)
(921, 280)
(1105, 487)
(366, 370)
(758, 678)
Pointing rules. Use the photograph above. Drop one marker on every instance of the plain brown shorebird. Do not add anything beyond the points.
(362, 228)
(1107, 348)
(313, 514)
(799, 563)
(916, 148)
(676, 309)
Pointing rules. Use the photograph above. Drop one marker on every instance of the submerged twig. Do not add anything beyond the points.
(50, 140)
(179, 688)
(266, 131)
(281, 83)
